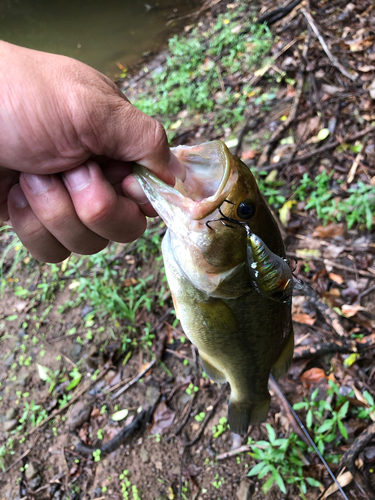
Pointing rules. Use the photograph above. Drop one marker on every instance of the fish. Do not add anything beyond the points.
(226, 267)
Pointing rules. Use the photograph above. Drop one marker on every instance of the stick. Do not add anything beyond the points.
(318, 151)
(242, 449)
(134, 380)
(331, 57)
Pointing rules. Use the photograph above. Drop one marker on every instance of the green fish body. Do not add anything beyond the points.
(231, 287)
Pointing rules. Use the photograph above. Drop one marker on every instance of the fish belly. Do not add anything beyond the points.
(239, 340)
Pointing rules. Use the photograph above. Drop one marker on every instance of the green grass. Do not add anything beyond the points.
(197, 68)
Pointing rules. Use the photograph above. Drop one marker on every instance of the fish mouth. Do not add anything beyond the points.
(209, 177)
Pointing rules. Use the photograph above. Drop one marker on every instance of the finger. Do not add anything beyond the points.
(8, 178)
(52, 205)
(35, 237)
(99, 207)
(133, 190)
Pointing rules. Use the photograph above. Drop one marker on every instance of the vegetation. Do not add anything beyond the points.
(193, 79)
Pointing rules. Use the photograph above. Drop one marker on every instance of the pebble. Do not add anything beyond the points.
(9, 361)
(31, 470)
(34, 483)
(10, 425)
(143, 453)
(243, 492)
(152, 395)
(75, 351)
(79, 414)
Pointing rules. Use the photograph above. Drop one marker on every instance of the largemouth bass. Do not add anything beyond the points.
(225, 264)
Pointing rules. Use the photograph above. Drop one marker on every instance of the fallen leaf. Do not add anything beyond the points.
(313, 376)
(130, 282)
(284, 212)
(120, 415)
(343, 479)
(371, 89)
(351, 359)
(333, 251)
(249, 154)
(351, 310)
(330, 231)
(163, 418)
(308, 253)
(336, 278)
(305, 319)
(365, 68)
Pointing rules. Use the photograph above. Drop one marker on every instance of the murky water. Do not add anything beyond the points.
(102, 33)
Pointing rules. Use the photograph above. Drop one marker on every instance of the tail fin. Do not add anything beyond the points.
(241, 415)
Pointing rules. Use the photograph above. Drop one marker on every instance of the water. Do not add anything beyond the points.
(105, 34)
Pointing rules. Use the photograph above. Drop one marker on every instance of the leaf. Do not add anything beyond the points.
(162, 419)
(343, 479)
(351, 359)
(351, 310)
(342, 429)
(271, 433)
(313, 376)
(309, 417)
(308, 253)
(256, 469)
(268, 484)
(299, 406)
(279, 480)
(74, 383)
(323, 134)
(120, 415)
(304, 319)
(313, 482)
(43, 372)
(328, 424)
(330, 231)
(343, 410)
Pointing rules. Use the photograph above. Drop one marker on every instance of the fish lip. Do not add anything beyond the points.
(182, 194)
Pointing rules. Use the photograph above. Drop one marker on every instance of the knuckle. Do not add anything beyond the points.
(159, 134)
(100, 212)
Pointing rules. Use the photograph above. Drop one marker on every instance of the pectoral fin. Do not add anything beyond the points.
(212, 372)
(284, 361)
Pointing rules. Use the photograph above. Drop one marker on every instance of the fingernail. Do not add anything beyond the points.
(176, 168)
(134, 191)
(19, 198)
(38, 184)
(78, 178)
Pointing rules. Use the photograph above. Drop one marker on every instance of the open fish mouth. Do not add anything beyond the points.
(209, 177)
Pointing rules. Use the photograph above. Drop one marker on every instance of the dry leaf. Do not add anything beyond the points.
(163, 419)
(330, 231)
(343, 479)
(130, 281)
(313, 376)
(351, 310)
(305, 319)
(249, 154)
(308, 253)
(336, 278)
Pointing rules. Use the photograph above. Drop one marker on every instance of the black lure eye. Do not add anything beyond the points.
(246, 210)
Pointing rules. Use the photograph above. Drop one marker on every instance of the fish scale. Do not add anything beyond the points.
(228, 307)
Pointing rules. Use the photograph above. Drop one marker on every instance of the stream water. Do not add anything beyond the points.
(106, 34)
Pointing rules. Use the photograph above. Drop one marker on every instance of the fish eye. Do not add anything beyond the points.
(246, 210)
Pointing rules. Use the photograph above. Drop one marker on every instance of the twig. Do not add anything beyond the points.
(65, 407)
(277, 14)
(318, 151)
(353, 169)
(343, 345)
(134, 380)
(242, 449)
(186, 414)
(331, 57)
(350, 456)
(178, 355)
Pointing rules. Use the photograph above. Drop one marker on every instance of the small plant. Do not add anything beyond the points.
(220, 428)
(191, 389)
(96, 454)
(200, 417)
(280, 460)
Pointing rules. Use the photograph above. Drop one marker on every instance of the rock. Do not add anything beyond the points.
(35, 483)
(80, 413)
(75, 351)
(31, 470)
(9, 361)
(152, 395)
(86, 310)
(144, 455)
(10, 414)
(243, 492)
(10, 425)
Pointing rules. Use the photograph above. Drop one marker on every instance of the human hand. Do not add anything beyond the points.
(68, 138)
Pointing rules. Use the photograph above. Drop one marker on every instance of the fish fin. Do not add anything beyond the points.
(175, 306)
(241, 415)
(282, 365)
(212, 372)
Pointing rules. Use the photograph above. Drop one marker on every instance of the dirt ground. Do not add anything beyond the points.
(68, 347)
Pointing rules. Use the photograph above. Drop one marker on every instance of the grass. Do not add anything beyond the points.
(202, 73)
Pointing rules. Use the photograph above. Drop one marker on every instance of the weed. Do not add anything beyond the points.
(191, 389)
(96, 454)
(194, 79)
(280, 459)
(200, 416)
(220, 428)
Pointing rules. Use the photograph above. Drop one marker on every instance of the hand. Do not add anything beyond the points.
(68, 138)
